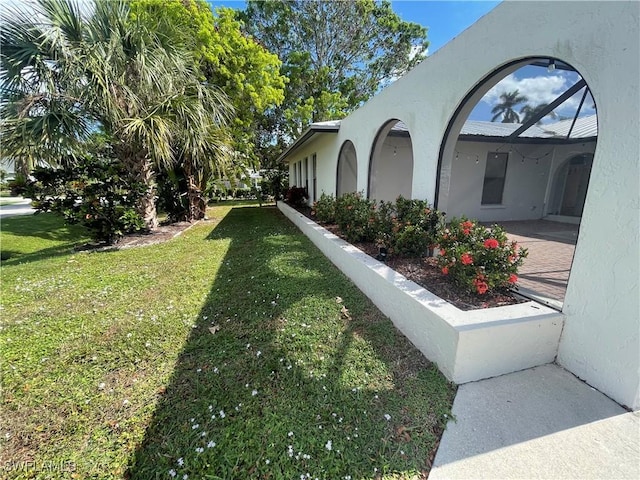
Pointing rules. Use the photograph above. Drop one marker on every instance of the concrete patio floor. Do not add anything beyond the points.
(545, 272)
(538, 423)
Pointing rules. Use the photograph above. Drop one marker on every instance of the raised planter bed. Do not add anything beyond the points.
(466, 345)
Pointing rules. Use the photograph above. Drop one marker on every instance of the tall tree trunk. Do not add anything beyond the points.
(147, 208)
(197, 205)
(141, 167)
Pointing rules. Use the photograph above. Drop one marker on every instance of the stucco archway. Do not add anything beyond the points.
(510, 172)
(391, 163)
(347, 171)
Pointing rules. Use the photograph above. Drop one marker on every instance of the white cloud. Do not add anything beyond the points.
(542, 89)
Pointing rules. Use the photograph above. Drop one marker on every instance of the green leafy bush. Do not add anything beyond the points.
(479, 259)
(408, 227)
(96, 192)
(356, 217)
(325, 209)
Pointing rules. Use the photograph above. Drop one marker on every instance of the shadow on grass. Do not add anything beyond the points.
(280, 378)
(47, 226)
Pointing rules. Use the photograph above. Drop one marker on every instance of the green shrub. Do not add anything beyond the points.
(325, 209)
(356, 217)
(408, 227)
(96, 192)
(479, 259)
(18, 185)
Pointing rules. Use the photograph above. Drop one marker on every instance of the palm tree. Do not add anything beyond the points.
(505, 109)
(532, 112)
(102, 68)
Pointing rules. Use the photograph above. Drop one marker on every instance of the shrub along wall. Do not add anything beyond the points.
(475, 258)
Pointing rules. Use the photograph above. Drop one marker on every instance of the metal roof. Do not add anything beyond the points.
(585, 127)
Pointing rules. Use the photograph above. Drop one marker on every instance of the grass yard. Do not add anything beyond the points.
(224, 353)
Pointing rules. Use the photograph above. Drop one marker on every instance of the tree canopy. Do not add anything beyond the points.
(336, 55)
(224, 56)
(506, 108)
(66, 71)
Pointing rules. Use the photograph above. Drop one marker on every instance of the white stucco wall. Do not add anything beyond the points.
(527, 182)
(392, 169)
(347, 178)
(601, 337)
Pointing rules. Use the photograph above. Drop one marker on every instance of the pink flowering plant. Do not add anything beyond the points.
(479, 259)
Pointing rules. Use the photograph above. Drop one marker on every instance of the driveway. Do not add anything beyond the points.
(11, 206)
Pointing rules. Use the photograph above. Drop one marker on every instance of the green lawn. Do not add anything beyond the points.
(110, 368)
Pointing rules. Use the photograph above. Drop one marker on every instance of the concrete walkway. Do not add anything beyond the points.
(539, 423)
(10, 206)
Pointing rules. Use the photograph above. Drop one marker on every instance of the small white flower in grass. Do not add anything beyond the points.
(254, 393)
(181, 462)
(185, 476)
(387, 417)
(128, 335)
(193, 427)
(125, 402)
(248, 345)
(401, 452)
(203, 434)
(290, 434)
(199, 450)
(199, 370)
(192, 420)
(211, 444)
(328, 446)
(259, 353)
(215, 370)
(213, 417)
(222, 414)
(172, 473)
(101, 386)
(147, 344)
(267, 461)
(210, 408)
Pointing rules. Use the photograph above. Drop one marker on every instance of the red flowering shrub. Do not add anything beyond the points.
(325, 209)
(479, 259)
(408, 227)
(356, 218)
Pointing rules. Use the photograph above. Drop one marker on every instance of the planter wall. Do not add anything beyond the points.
(466, 345)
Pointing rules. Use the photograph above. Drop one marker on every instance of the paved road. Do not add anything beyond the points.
(11, 206)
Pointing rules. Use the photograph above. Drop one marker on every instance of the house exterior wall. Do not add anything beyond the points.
(601, 337)
(323, 145)
(527, 181)
(392, 169)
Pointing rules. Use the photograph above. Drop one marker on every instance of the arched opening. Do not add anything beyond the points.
(518, 151)
(391, 163)
(347, 172)
(570, 186)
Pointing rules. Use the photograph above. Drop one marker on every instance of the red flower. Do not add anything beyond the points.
(481, 288)
(443, 252)
(445, 270)
(512, 258)
(466, 259)
(491, 243)
(467, 224)
(513, 278)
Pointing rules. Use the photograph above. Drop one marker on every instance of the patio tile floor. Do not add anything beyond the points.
(551, 245)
